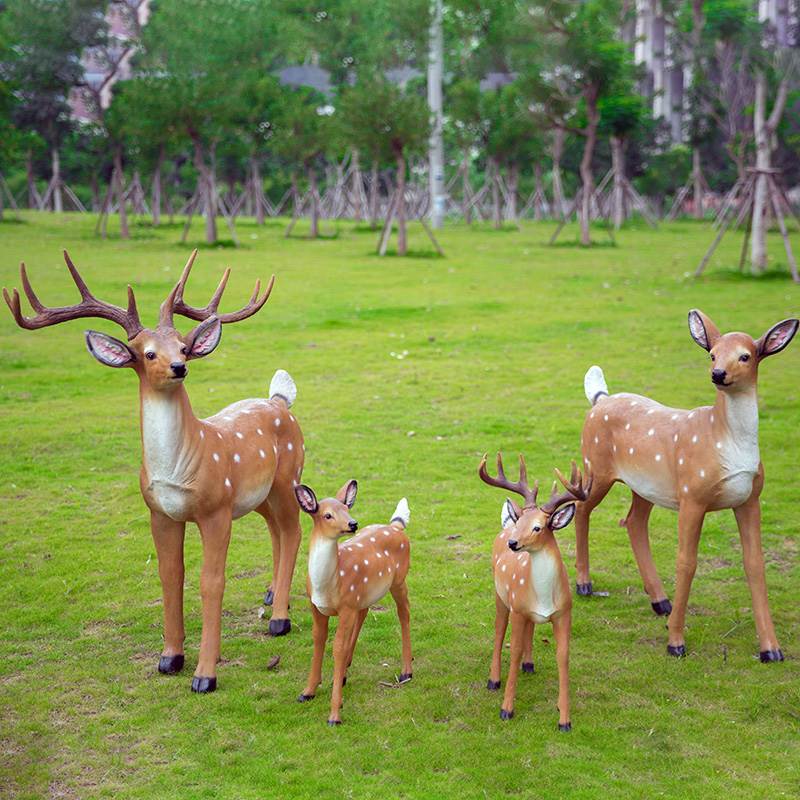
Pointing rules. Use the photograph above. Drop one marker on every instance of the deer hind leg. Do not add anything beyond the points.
(319, 634)
(341, 645)
(269, 595)
(362, 615)
(527, 652)
(168, 537)
(518, 629)
(600, 489)
(500, 626)
(636, 523)
(562, 627)
(748, 518)
(283, 517)
(400, 595)
(215, 531)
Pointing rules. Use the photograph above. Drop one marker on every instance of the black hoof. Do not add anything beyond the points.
(404, 677)
(506, 714)
(584, 589)
(492, 686)
(565, 728)
(527, 666)
(663, 608)
(679, 651)
(304, 698)
(768, 656)
(203, 685)
(170, 665)
(269, 597)
(279, 627)
(333, 722)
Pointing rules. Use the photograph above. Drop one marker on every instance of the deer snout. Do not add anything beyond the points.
(353, 525)
(178, 369)
(513, 544)
(718, 376)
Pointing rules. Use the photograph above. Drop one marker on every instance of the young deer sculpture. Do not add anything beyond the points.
(248, 457)
(694, 462)
(530, 579)
(346, 579)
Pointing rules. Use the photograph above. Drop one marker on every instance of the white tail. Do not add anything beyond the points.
(594, 384)
(283, 385)
(402, 513)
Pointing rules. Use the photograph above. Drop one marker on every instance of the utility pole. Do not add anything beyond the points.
(436, 146)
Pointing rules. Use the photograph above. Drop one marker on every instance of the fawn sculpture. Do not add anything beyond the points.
(346, 579)
(694, 462)
(530, 579)
(248, 457)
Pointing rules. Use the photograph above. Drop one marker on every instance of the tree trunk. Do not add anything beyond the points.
(497, 214)
(618, 162)
(558, 189)
(373, 195)
(312, 188)
(357, 184)
(258, 192)
(513, 183)
(539, 189)
(587, 179)
(58, 206)
(155, 189)
(119, 187)
(758, 237)
(466, 208)
(207, 189)
(95, 192)
(435, 142)
(402, 245)
(33, 201)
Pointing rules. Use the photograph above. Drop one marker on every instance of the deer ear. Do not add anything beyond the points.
(306, 498)
(776, 338)
(703, 330)
(510, 513)
(108, 350)
(347, 494)
(562, 517)
(204, 338)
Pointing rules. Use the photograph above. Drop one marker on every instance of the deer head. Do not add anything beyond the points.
(533, 525)
(735, 356)
(331, 516)
(158, 355)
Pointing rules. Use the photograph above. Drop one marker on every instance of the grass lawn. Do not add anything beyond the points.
(408, 370)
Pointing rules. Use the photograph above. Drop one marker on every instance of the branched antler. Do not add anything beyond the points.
(520, 487)
(576, 488)
(89, 306)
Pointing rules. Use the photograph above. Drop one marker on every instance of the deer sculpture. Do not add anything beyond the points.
(530, 579)
(248, 457)
(696, 461)
(346, 579)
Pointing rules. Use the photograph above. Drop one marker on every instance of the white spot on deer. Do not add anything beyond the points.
(614, 447)
(259, 432)
(239, 435)
(358, 597)
(630, 451)
(680, 461)
(386, 553)
(380, 573)
(275, 449)
(651, 431)
(591, 416)
(702, 473)
(358, 544)
(202, 434)
(691, 414)
(352, 587)
(712, 417)
(596, 439)
(219, 435)
(605, 417)
(355, 567)
(658, 456)
(674, 417)
(719, 445)
(341, 573)
(366, 578)
(277, 422)
(379, 554)
(504, 567)
(216, 456)
(366, 562)
(686, 489)
(634, 403)
(402, 545)
(694, 439)
(522, 581)
(675, 438)
(372, 538)
(290, 446)
(237, 458)
(627, 426)
(262, 454)
(228, 482)
(513, 595)
(292, 418)
(386, 533)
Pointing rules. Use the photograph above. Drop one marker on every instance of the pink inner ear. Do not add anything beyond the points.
(206, 341)
(697, 329)
(110, 352)
(778, 338)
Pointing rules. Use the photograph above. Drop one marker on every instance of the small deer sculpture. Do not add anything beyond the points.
(530, 579)
(248, 457)
(696, 461)
(346, 579)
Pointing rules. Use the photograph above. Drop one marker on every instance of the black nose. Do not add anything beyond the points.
(179, 368)
(718, 376)
(353, 525)
(513, 544)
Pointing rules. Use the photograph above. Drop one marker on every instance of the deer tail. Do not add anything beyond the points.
(594, 384)
(402, 513)
(282, 385)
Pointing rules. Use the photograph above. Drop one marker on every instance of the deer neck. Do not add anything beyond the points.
(167, 423)
(735, 428)
(323, 567)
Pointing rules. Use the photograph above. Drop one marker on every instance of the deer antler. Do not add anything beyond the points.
(520, 487)
(576, 489)
(174, 304)
(89, 306)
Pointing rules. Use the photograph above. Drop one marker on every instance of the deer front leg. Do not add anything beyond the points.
(347, 620)
(690, 524)
(748, 518)
(168, 536)
(500, 626)
(527, 651)
(518, 628)
(319, 634)
(562, 627)
(636, 523)
(215, 531)
(400, 595)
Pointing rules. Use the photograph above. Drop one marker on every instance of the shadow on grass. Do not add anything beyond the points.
(778, 272)
(416, 254)
(575, 243)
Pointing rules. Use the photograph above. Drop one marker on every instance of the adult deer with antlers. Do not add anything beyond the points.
(530, 579)
(345, 579)
(694, 462)
(248, 457)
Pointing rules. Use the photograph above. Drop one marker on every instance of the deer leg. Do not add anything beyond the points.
(269, 596)
(500, 625)
(518, 628)
(319, 634)
(562, 627)
(527, 651)
(341, 643)
(400, 595)
(362, 615)
(168, 537)
(690, 524)
(215, 531)
(283, 516)
(748, 518)
(582, 514)
(636, 523)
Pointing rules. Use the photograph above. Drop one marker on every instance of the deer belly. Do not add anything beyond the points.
(657, 487)
(248, 499)
(171, 499)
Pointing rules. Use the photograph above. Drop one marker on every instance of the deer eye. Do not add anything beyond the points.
(713, 357)
(744, 357)
(329, 516)
(149, 355)
(184, 350)
(536, 528)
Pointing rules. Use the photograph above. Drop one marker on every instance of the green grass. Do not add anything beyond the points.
(498, 336)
